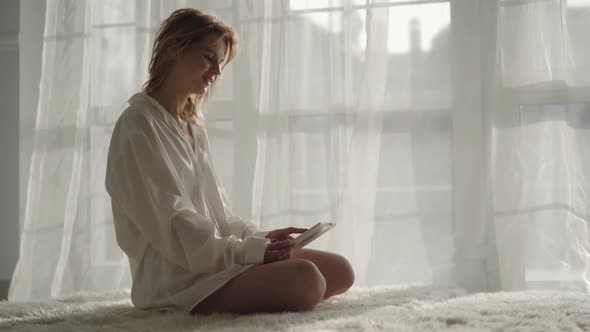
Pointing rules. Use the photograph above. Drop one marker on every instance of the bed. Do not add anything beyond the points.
(384, 308)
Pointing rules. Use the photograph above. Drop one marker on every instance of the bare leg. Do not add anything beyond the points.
(335, 268)
(288, 285)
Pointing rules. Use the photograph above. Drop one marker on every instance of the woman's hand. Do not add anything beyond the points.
(284, 233)
(282, 245)
(277, 251)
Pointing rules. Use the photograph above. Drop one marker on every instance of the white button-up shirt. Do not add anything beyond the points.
(170, 211)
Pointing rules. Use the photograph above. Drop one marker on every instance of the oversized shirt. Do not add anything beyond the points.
(170, 211)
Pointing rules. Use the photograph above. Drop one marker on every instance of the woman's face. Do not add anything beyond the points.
(199, 66)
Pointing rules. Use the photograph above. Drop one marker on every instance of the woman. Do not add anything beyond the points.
(185, 248)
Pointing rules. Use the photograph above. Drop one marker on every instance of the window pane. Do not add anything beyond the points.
(316, 152)
(554, 181)
(104, 245)
(208, 5)
(578, 26)
(416, 151)
(313, 4)
(224, 89)
(114, 63)
(419, 64)
(114, 12)
(413, 207)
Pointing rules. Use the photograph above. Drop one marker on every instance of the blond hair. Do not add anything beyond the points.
(180, 30)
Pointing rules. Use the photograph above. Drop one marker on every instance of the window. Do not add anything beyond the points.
(551, 259)
(416, 124)
(115, 42)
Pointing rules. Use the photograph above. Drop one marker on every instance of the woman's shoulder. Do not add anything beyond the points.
(137, 117)
(140, 109)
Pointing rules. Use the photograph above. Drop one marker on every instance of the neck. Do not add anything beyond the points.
(171, 98)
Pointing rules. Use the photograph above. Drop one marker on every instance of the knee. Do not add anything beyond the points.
(343, 277)
(346, 272)
(310, 285)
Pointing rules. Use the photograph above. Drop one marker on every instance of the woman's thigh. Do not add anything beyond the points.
(335, 268)
(288, 285)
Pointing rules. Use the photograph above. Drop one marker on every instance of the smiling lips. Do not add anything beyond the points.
(208, 80)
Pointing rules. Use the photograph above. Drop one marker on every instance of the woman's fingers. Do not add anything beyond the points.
(279, 251)
(292, 230)
(285, 237)
(273, 256)
(287, 231)
(280, 245)
(270, 256)
(287, 254)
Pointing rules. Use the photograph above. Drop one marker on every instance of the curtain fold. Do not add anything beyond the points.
(52, 228)
(447, 139)
(539, 117)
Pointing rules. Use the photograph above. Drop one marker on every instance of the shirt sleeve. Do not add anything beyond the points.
(143, 181)
(237, 226)
(243, 229)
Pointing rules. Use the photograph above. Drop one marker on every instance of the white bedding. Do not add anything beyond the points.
(410, 308)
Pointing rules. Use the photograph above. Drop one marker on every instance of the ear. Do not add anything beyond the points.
(173, 51)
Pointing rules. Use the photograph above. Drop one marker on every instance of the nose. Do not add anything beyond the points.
(216, 69)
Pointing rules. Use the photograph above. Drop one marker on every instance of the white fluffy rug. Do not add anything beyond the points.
(360, 309)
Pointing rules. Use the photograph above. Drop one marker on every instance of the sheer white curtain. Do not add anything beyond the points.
(540, 111)
(447, 139)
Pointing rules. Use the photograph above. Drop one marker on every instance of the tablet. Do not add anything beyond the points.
(313, 233)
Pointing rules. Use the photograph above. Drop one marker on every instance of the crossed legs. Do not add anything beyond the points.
(295, 284)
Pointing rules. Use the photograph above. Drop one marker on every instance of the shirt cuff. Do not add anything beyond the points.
(252, 231)
(261, 233)
(254, 249)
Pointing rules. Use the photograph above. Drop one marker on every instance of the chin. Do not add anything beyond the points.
(199, 91)
(204, 88)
